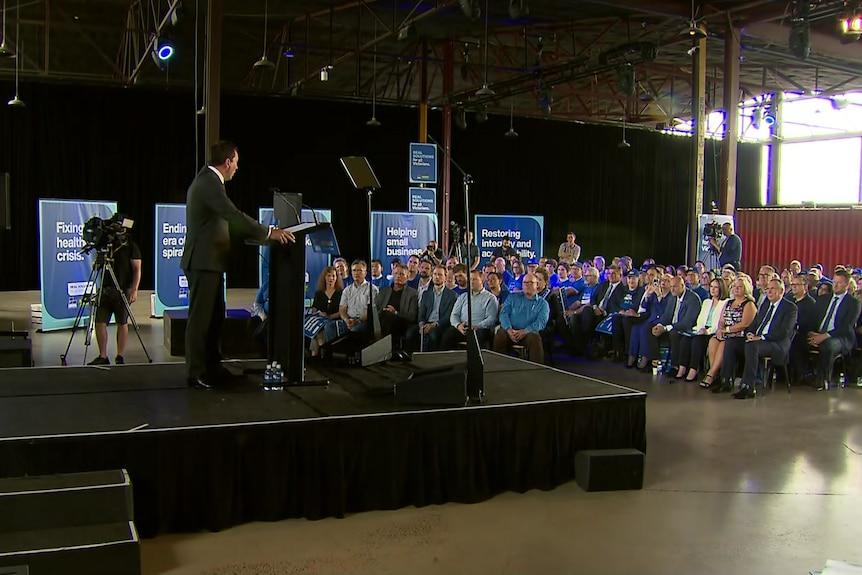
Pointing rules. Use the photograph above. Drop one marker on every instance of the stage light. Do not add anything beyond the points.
(164, 49)
(799, 41)
(626, 80)
(691, 51)
(324, 73)
(289, 53)
(461, 119)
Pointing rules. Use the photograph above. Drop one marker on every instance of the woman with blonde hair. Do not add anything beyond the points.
(729, 342)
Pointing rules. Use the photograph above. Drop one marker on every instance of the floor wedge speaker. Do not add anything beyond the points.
(609, 469)
(443, 386)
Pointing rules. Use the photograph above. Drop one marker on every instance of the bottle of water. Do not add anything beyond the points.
(277, 378)
(267, 376)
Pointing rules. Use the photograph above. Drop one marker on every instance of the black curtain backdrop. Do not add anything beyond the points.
(138, 147)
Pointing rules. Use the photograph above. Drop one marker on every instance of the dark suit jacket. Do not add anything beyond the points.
(783, 324)
(846, 315)
(806, 314)
(689, 309)
(616, 299)
(408, 309)
(209, 216)
(447, 302)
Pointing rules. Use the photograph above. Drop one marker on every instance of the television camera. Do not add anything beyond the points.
(100, 234)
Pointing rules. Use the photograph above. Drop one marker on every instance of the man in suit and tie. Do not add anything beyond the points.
(774, 327)
(835, 332)
(434, 311)
(209, 216)
(807, 318)
(605, 300)
(680, 315)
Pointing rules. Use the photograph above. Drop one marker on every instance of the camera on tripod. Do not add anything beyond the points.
(99, 234)
(712, 231)
(455, 232)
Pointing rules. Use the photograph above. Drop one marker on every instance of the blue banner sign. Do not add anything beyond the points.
(64, 270)
(172, 288)
(525, 233)
(423, 163)
(314, 261)
(399, 235)
(423, 200)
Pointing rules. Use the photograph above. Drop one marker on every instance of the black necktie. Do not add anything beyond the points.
(766, 320)
(829, 315)
(604, 303)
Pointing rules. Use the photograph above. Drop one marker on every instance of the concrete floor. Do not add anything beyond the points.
(772, 485)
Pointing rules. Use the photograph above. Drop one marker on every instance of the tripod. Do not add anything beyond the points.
(92, 300)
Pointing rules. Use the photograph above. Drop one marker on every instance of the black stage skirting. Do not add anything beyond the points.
(211, 460)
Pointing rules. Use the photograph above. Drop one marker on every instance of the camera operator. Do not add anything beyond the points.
(126, 258)
(729, 250)
(432, 254)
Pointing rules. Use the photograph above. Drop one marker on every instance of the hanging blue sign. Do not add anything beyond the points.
(423, 200)
(400, 235)
(63, 270)
(525, 233)
(423, 163)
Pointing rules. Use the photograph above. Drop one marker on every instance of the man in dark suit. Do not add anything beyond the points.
(772, 330)
(209, 215)
(806, 321)
(834, 333)
(434, 311)
(398, 305)
(606, 299)
(680, 315)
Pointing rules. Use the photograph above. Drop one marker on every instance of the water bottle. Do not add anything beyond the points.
(267, 376)
(277, 378)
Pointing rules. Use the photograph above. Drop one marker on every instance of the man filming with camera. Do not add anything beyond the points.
(125, 256)
(730, 249)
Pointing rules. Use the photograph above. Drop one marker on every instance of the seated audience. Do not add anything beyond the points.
(460, 274)
(523, 316)
(496, 287)
(326, 302)
(377, 277)
(693, 348)
(774, 327)
(435, 307)
(628, 309)
(806, 321)
(738, 315)
(680, 315)
(353, 308)
(397, 305)
(643, 348)
(605, 300)
(483, 306)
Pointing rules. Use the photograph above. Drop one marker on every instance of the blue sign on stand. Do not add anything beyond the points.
(423, 164)
(423, 200)
(64, 269)
(172, 287)
(400, 235)
(525, 233)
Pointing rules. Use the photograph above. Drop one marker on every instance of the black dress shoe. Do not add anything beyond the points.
(199, 382)
(745, 392)
(722, 387)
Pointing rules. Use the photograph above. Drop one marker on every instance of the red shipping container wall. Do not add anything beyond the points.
(775, 236)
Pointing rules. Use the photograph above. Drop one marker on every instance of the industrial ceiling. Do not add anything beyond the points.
(557, 58)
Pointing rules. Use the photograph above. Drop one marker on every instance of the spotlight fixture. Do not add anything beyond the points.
(164, 48)
(624, 145)
(481, 114)
(406, 31)
(202, 111)
(626, 80)
(518, 8)
(16, 102)
(264, 63)
(324, 73)
(485, 90)
(461, 119)
(374, 122)
(691, 51)
(289, 53)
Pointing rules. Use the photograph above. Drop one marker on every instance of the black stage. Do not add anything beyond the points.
(213, 459)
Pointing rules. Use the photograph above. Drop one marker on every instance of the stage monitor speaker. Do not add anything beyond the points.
(443, 386)
(609, 469)
(5, 201)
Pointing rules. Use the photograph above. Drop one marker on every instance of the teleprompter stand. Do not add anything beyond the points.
(362, 176)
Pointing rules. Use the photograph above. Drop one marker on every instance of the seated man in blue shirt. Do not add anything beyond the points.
(435, 307)
(483, 306)
(523, 316)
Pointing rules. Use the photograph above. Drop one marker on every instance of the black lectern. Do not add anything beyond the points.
(286, 343)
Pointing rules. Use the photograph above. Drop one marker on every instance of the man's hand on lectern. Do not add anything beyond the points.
(282, 236)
